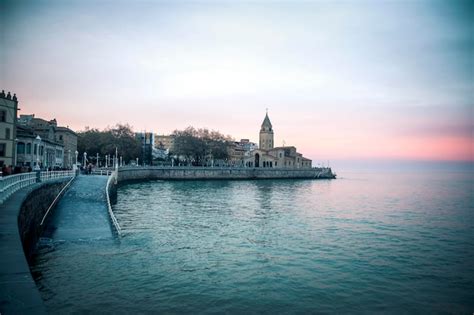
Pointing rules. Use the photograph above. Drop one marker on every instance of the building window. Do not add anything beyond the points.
(3, 116)
(2, 149)
(7, 133)
(35, 149)
(28, 148)
(61, 138)
(20, 148)
(276, 163)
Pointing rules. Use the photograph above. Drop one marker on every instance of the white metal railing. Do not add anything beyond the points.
(12, 183)
(101, 172)
(112, 180)
(49, 175)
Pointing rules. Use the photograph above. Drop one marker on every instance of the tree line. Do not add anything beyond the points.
(104, 142)
(196, 146)
(199, 146)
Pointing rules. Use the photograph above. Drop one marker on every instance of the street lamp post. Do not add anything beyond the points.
(121, 161)
(38, 143)
(116, 158)
(75, 164)
(85, 159)
(16, 152)
(97, 160)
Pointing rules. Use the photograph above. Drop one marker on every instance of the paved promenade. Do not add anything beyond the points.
(81, 214)
(18, 292)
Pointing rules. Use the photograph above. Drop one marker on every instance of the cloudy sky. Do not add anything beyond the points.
(342, 80)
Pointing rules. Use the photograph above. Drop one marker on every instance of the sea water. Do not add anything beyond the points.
(366, 242)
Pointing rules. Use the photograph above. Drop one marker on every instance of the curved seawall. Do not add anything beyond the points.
(20, 229)
(183, 173)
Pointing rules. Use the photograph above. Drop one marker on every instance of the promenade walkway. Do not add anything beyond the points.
(81, 214)
(18, 292)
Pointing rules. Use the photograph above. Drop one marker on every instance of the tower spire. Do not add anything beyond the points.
(266, 133)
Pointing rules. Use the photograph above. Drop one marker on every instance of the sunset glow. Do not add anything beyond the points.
(342, 81)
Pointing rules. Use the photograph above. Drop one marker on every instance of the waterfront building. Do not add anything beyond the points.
(164, 142)
(8, 121)
(239, 150)
(236, 153)
(147, 141)
(25, 119)
(69, 140)
(247, 145)
(44, 142)
(275, 157)
(33, 149)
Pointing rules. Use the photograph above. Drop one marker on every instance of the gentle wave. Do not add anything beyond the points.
(367, 243)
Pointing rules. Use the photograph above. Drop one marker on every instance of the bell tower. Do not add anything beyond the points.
(266, 134)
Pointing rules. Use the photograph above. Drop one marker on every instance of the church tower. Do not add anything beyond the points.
(266, 134)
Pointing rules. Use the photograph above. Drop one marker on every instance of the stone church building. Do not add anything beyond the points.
(274, 157)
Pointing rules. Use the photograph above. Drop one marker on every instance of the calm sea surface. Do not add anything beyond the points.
(367, 242)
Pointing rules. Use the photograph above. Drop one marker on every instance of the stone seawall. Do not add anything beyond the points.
(20, 228)
(182, 173)
(32, 212)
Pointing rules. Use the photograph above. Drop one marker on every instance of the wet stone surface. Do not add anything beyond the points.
(81, 214)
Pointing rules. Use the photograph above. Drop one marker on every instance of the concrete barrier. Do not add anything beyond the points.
(183, 173)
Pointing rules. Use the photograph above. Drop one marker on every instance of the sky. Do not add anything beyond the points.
(342, 80)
